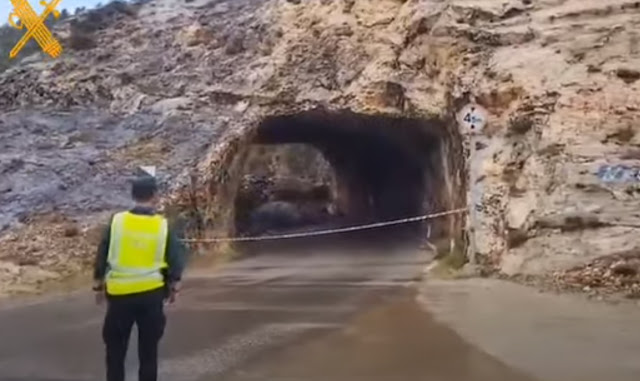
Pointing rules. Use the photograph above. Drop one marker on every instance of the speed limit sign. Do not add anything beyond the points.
(472, 118)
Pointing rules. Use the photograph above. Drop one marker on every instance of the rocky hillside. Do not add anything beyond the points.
(182, 83)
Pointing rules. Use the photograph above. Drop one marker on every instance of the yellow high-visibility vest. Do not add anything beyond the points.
(136, 253)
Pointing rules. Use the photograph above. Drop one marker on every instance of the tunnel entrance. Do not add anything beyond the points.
(318, 170)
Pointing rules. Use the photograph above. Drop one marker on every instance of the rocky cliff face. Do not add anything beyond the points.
(577, 110)
(185, 83)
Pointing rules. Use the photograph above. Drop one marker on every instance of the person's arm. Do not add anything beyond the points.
(100, 265)
(176, 257)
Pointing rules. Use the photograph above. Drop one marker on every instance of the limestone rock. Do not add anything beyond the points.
(196, 35)
(9, 269)
(167, 106)
(512, 264)
(182, 84)
(519, 212)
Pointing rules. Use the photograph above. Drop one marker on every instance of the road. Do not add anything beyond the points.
(297, 315)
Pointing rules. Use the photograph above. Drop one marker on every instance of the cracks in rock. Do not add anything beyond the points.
(572, 222)
(426, 25)
(348, 6)
(394, 95)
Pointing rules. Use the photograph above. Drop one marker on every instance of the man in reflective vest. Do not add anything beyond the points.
(138, 267)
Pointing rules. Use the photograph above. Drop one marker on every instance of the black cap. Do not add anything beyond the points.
(143, 188)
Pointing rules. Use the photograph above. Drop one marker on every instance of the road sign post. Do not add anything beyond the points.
(472, 119)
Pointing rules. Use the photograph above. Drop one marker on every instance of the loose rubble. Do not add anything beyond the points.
(619, 274)
(609, 278)
(47, 249)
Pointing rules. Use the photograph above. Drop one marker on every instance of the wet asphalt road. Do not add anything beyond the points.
(318, 315)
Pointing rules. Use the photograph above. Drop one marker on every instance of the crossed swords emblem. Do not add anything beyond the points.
(35, 26)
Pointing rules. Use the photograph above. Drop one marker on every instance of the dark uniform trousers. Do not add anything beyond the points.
(146, 310)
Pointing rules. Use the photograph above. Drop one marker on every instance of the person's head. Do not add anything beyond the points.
(144, 190)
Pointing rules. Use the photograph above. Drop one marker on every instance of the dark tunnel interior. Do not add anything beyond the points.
(385, 168)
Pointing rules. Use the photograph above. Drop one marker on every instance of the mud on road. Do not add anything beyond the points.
(308, 315)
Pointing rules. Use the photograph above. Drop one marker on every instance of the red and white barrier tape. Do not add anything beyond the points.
(328, 231)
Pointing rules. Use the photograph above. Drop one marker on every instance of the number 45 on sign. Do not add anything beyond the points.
(472, 118)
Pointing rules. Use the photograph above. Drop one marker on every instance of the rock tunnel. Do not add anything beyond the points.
(378, 168)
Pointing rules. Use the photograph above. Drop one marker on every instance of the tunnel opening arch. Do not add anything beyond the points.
(382, 167)
(204, 200)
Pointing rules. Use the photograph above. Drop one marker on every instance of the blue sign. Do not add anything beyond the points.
(618, 174)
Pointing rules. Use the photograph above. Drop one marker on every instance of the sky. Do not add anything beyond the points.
(70, 5)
